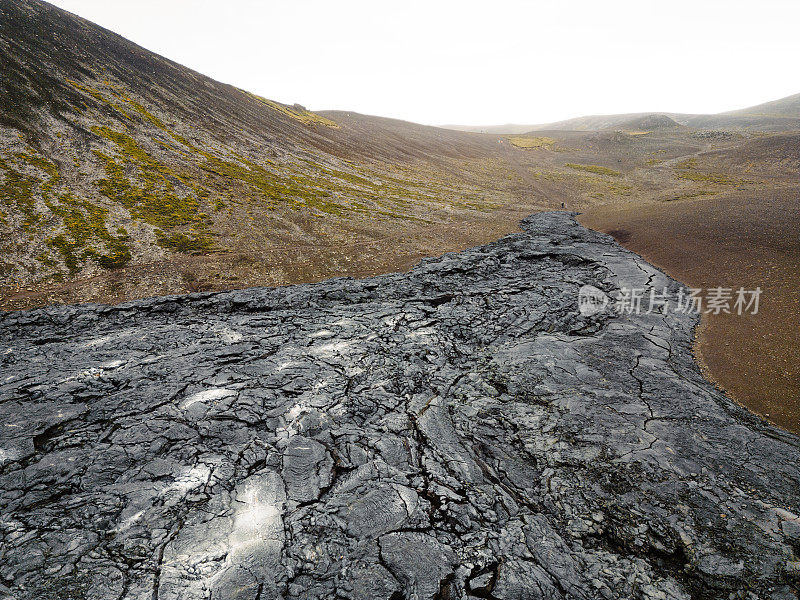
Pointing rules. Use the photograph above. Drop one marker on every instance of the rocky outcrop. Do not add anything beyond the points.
(459, 431)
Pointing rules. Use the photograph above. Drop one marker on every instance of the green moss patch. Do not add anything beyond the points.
(85, 224)
(687, 170)
(596, 169)
(296, 112)
(528, 143)
(180, 242)
(16, 195)
(155, 201)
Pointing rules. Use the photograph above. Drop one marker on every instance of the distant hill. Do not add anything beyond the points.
(785, 107)
(586, 123)
(650, 123)
(600, 122)
(508, 128)
(777, 116)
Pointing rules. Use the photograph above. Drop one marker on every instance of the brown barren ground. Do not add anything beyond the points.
(737, 240)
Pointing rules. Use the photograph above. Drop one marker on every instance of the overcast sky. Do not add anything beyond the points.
(477, 63)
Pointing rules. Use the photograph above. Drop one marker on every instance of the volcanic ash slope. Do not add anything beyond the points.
(453, 432)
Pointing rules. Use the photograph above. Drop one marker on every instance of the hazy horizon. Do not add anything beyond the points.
(464, 64)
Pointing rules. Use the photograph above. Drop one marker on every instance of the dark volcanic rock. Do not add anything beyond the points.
(460, 431)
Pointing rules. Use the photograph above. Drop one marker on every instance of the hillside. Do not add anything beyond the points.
(113, 158)
(788, 107)
(124, 175)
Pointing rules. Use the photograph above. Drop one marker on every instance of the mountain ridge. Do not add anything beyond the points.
(786, 107)
(777, 115)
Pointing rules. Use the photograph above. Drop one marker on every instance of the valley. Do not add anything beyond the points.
(254, 351)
